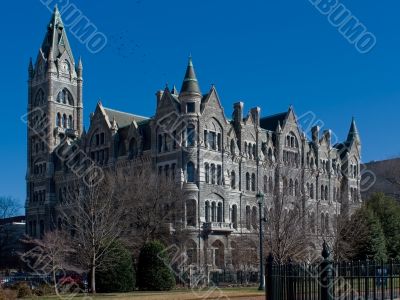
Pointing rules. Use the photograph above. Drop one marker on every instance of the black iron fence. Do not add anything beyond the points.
(332, 280)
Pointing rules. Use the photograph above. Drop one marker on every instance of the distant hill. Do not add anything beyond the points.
(387, 174)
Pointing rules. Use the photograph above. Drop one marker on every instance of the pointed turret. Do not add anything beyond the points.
(353, 132)
(190, 84)
(80, 68)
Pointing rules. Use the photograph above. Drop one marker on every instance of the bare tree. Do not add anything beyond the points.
(93, 215)
(8, 208)
(288, 226)
(51, 254)
(245, 254)
(155, 207)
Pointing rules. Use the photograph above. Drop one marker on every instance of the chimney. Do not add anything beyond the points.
(255, 113)
(238, 112)
(315, 134)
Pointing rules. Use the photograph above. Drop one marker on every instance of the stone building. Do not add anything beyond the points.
(220, 163)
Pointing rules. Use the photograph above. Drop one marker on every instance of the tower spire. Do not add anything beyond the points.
(56, 39)
(353, 132)
(190, 84)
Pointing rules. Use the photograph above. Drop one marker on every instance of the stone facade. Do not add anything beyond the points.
(220, 163)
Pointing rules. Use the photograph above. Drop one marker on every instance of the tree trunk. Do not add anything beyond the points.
(93, 279)
(55, 282)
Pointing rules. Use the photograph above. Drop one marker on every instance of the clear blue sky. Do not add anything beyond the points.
(266, 53)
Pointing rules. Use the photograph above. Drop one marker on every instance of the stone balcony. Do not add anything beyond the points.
(218, 227)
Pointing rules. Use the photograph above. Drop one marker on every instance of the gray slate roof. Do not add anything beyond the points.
(123, 118)
(271, 122)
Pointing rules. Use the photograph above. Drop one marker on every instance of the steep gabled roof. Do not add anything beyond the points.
(271, 122)
(123, 118)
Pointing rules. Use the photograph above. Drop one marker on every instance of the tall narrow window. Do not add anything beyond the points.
(233, 180)
(253, 182)
(213, 212)
(191, 136)
(234, 216)
(190, 172)
(248, 217)
(212, 173)
(247, 181)
(219, 212)
(58, 120)
(219, 175)
(207, 212)
(64, 121)
(219, 142)
(207, 172)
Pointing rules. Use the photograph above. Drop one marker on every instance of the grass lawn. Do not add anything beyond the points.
(225, 293)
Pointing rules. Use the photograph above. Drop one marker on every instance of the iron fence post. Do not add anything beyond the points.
(326, 274)
(269, 293)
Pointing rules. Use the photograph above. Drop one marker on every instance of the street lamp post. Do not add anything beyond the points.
(260, 201)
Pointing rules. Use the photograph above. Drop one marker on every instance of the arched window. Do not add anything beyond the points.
(296, 188)
(219, 175)
(312, 222)
(58, 120)
(219, 257)
(322, 192)
(247, 181)
(207, 212)
(213, 212)
(248, 217)
(212, 173)
(69, 122)
(64, 121)
(232, 147)
(308, 190)
(234, 216)
(322, 223)
(191, 212)
(190, 172)
(312, 191)
(265, 184)
(233, 180)
(219, 212)
(65, 97)
(254, 218)
(326, 192)
(207, 172)
(39, 99)
(191, 136)
(253, 182)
